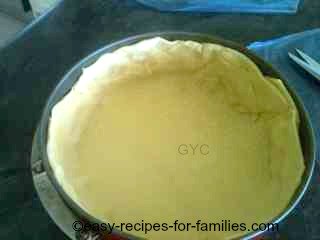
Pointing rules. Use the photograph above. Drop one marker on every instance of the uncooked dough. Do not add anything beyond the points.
(114, 139)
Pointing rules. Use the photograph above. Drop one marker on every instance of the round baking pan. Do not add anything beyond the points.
(305, 130)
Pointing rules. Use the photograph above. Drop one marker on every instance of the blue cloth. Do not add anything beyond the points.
(304, 222)
(254, 6)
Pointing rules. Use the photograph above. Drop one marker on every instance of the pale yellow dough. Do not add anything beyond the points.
(113, 140)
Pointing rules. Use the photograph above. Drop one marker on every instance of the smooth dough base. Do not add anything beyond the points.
(114, 143)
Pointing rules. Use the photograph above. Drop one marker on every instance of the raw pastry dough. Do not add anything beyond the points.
(114, 139)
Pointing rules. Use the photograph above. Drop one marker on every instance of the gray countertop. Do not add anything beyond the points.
(33, 63)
